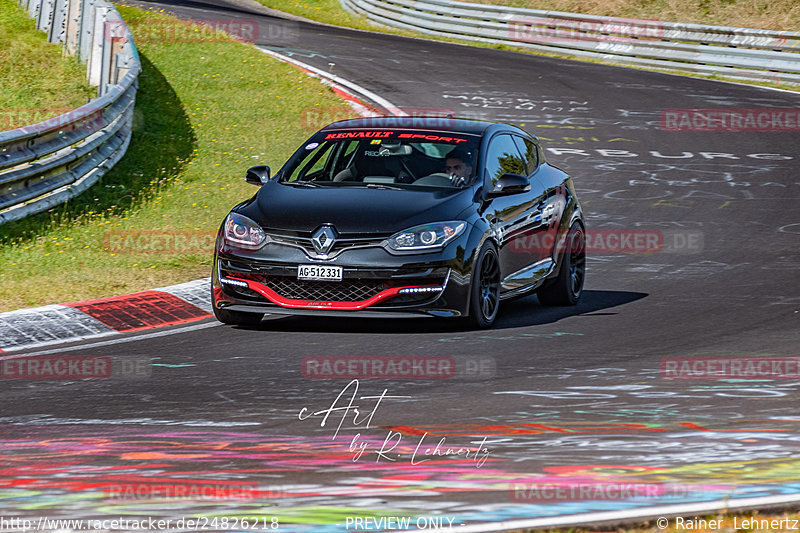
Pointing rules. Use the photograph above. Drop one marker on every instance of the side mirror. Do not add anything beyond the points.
(510, 184)
(257, 175)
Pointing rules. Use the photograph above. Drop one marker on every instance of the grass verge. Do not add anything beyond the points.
(207, 109)
(36, 81)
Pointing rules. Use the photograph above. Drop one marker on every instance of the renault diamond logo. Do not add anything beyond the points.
(323, 239)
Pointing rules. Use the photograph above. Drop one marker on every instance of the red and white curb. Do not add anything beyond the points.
(156, 308)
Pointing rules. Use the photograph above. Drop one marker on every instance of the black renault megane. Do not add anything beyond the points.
(402, 218)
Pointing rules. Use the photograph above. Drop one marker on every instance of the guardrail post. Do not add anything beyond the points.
(110, 27)
(124, 63)
(58, 29)
(98, 20)
(72, 30)
(85, 26)
(33, 9)
(117, 61)
(45, 20)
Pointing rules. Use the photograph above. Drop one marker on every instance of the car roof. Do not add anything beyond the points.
(432, 123)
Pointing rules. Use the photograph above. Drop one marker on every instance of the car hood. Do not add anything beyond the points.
(353, 209)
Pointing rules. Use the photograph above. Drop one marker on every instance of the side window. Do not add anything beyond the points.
(503, 157)
(529, 153)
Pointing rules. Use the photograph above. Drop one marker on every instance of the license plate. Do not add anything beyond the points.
(319, 272)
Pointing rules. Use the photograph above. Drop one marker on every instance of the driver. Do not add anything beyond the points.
(457, 167)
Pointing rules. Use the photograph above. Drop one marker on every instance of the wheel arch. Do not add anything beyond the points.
(574, 214)
(481, 233)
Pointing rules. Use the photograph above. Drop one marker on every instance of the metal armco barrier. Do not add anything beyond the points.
(45, 164)
(739, 53)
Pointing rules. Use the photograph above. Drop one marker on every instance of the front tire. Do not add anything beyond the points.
(566, 289)
(237, 318)
(485, 297)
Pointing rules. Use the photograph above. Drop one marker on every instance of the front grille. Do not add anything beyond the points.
(354, 290)
(343, 242)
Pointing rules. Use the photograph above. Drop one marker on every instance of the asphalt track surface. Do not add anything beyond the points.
(562, 398)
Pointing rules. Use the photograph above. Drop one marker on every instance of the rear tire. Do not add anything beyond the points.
(566, 289)
(237, 318)
(485, 297)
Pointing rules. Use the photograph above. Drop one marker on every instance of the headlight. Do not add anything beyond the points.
(428, 237)
(242, 232)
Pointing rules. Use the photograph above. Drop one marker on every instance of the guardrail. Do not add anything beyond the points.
(45, 164)
(739, 53)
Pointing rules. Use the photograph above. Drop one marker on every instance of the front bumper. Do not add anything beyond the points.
(374, 283)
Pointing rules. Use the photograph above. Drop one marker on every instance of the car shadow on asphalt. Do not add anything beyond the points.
(529, 312)
(513, 314)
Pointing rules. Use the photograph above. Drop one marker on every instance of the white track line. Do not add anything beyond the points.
(366, 93)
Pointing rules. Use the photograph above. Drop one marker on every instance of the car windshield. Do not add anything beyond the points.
(384, 159)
